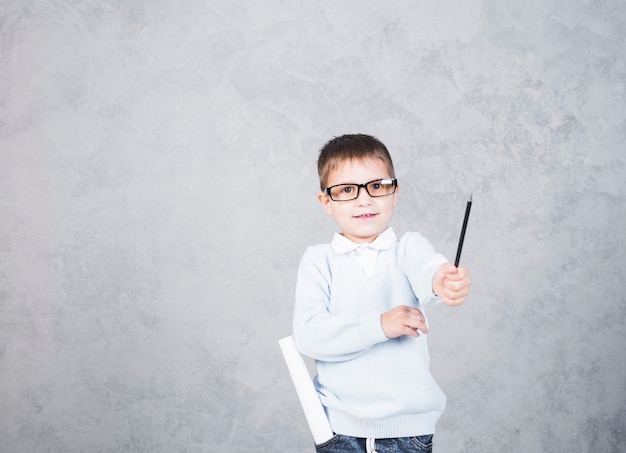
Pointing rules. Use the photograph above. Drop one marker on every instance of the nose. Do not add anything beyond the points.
(363, 198)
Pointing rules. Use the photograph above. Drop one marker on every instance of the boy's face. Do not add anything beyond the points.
(364, 218)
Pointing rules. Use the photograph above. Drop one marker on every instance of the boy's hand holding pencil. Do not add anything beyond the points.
(452, 284)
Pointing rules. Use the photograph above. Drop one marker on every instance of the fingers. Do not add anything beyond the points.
(451, 272)
(452, 284)
(455, 293)
(449, 269)
(455, 299)
(415, 320)
(403, 320)
(457, 285)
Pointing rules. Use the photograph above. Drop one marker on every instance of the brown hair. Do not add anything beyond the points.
(351, 147)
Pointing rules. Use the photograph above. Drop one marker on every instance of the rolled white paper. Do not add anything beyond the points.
(309, 399)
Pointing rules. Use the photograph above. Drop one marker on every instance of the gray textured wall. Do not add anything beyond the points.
(157, 189)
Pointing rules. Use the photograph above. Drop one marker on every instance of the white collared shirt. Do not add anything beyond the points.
(365, 255)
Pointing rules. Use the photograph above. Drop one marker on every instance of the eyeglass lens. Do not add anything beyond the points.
(377, 188)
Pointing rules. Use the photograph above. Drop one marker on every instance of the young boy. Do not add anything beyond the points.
(359, 308)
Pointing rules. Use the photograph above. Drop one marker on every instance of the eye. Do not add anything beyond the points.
(376, 186)
(347, 189)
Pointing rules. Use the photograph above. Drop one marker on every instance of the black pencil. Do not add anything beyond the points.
(460, 247)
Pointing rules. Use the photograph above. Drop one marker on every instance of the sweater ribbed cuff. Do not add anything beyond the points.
(372, 329)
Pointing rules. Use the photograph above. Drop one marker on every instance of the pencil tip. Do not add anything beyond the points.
(470, 197)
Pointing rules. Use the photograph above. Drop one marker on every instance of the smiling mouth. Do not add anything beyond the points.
(365, 216)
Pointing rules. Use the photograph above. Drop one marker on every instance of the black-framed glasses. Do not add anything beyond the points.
(376, 188)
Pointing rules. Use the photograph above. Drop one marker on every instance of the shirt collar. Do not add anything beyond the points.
(342, 244)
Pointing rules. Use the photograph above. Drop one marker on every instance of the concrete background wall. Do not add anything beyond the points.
(157, 189)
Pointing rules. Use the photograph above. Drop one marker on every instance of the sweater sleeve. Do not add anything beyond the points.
(419, 262)
(319, 333)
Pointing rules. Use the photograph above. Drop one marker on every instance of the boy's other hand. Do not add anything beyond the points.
(452, 284)
(403, 320)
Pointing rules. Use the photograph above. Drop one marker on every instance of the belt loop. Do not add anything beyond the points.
(370, 445)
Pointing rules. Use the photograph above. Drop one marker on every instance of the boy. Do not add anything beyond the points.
(359, 308)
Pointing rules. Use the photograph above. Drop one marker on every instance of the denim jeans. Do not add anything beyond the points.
(346, 444)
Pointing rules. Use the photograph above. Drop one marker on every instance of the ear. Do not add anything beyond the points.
(325, 201)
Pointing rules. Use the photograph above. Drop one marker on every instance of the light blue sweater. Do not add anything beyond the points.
(370, 386)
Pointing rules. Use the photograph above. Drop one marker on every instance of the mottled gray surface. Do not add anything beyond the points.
(157, 189)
